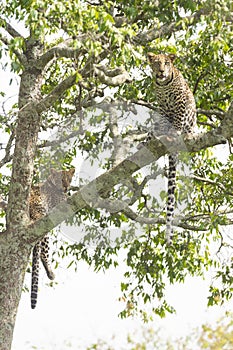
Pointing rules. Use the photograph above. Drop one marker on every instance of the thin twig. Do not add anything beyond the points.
(8, 157)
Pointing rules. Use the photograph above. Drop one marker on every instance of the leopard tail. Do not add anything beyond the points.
(172, 158)
(44, 255)
(35, 274)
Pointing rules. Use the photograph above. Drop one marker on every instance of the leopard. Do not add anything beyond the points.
(43, 198)
(177, 108)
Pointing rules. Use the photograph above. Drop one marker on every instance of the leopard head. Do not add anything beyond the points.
(162, 66)
(61, 179)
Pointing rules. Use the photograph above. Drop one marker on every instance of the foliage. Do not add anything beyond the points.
(92, 121)
(219, 336)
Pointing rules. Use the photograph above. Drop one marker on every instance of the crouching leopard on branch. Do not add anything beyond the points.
(178, 110)
(43, 198)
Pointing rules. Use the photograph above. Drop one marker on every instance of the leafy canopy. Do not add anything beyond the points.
(102, 120)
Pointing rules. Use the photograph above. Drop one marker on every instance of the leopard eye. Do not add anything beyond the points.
(167, 63)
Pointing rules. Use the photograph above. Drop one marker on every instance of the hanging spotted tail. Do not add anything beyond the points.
(172, 158)
(44, 256)
(35, 274)
(40, 252)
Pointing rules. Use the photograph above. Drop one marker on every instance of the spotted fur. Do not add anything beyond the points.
(43, 198)
(178, 111)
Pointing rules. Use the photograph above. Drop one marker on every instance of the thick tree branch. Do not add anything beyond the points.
(58, 52)
(64, 50)
(210, 113)
(212, 182)
(168, 29)
(11, 30)
(121, 77)
(226, 127)
(7, 43)
(116, 206)
(57, 92)
(60, 140)
(5, 40)
(143, 103)
(89, 195)
(112, 77)
(100, 187)
(14, 34)
(138, 188)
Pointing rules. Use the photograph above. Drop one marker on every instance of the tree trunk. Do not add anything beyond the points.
(14, 249)
(14, 255)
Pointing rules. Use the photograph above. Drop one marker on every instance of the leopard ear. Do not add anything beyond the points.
(172, 57)
(150, 55)
(71, 171)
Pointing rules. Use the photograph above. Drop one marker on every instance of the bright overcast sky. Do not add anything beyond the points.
(83, 307)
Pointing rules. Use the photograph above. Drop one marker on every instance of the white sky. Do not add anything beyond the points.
(83, 307)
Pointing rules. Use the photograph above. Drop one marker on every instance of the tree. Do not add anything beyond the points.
(82, 70)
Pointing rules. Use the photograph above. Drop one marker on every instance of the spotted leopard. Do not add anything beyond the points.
(43, 198)
(178, 111)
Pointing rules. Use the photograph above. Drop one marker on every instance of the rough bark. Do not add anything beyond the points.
(14, 255)
(14, 247)
(14, 250)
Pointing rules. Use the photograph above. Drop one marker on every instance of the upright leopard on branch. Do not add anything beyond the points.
(43, 198)
(178, 109)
